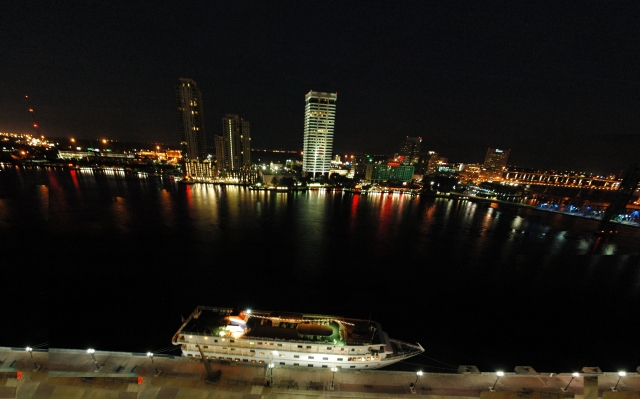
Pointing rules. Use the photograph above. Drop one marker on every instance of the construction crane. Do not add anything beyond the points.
(33, 116)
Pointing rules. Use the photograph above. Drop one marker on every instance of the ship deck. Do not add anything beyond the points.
(211, 321)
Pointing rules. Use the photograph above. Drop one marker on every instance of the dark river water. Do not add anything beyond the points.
(113, 261)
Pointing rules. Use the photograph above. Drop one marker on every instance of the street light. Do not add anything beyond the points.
(574, 375)
(150, 355)
(35, 366)
(620, 374)
(95, 361)
(271, 367)
(333, 375)
(418, 375)
(499, 374)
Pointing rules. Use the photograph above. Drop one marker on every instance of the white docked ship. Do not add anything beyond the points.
(289, 339)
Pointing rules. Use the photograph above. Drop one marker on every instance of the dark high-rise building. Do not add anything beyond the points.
(496, 159)
(433, 162)
(409, 153)
(192, 138)
(233, 147)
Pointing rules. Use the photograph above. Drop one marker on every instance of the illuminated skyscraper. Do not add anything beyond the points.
(192, 138)
(233, 147)
(319, 121)
(496, 159)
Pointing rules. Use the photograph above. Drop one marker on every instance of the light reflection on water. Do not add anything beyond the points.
(452, 262)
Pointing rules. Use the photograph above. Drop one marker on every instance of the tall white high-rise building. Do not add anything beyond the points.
(319, 121)
(192, 138)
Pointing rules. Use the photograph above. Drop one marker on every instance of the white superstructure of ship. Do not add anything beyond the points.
(289, 339)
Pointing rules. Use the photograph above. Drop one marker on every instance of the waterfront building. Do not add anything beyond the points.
(392, 171)
(496, 159)
(199, 171)
(192, 139)
(433, 162)
(409, 153)
(319, 121)
(233, 147)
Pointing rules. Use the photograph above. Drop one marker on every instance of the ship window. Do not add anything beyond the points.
(279, 344)
(215, 340)
(251, 343)
(324, 366)
(252, 351)
(261, 353)
(310, 357)
(281, 355)
(328, 348)
(353, 367)
(310, 365)
(245, 360)
(232, 341)
(233, 349)
(259, 343)
(221, 358)
(190, 355)
(366, 365)
(261, 362)
(230, 359)
(237, 360)
(339, 359)
(308, 347)
(271, 344)
(299, 346)
(296, 364)
(253, 361)
(341, 349)
(296, 357)
(282, 363)
(325, 358)
(205, 347)
(352, 349)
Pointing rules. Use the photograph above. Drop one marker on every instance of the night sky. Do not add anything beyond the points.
(556, 83)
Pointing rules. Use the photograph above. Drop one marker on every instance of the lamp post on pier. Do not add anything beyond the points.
(418, 375)
(499, 374)
(620, 374)
(150, 355)
(93, 356)
(574, 375)
(35, 365)
(333, 375)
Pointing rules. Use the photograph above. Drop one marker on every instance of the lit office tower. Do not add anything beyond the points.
(319, 120)
(496, 159)
(233, 147)
(409, 150)
(189, 101)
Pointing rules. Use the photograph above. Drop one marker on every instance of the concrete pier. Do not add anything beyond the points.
(60, 373)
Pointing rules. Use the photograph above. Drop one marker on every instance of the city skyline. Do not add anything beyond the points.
(557, 81)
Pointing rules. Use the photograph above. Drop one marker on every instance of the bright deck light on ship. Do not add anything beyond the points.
(500, 373)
